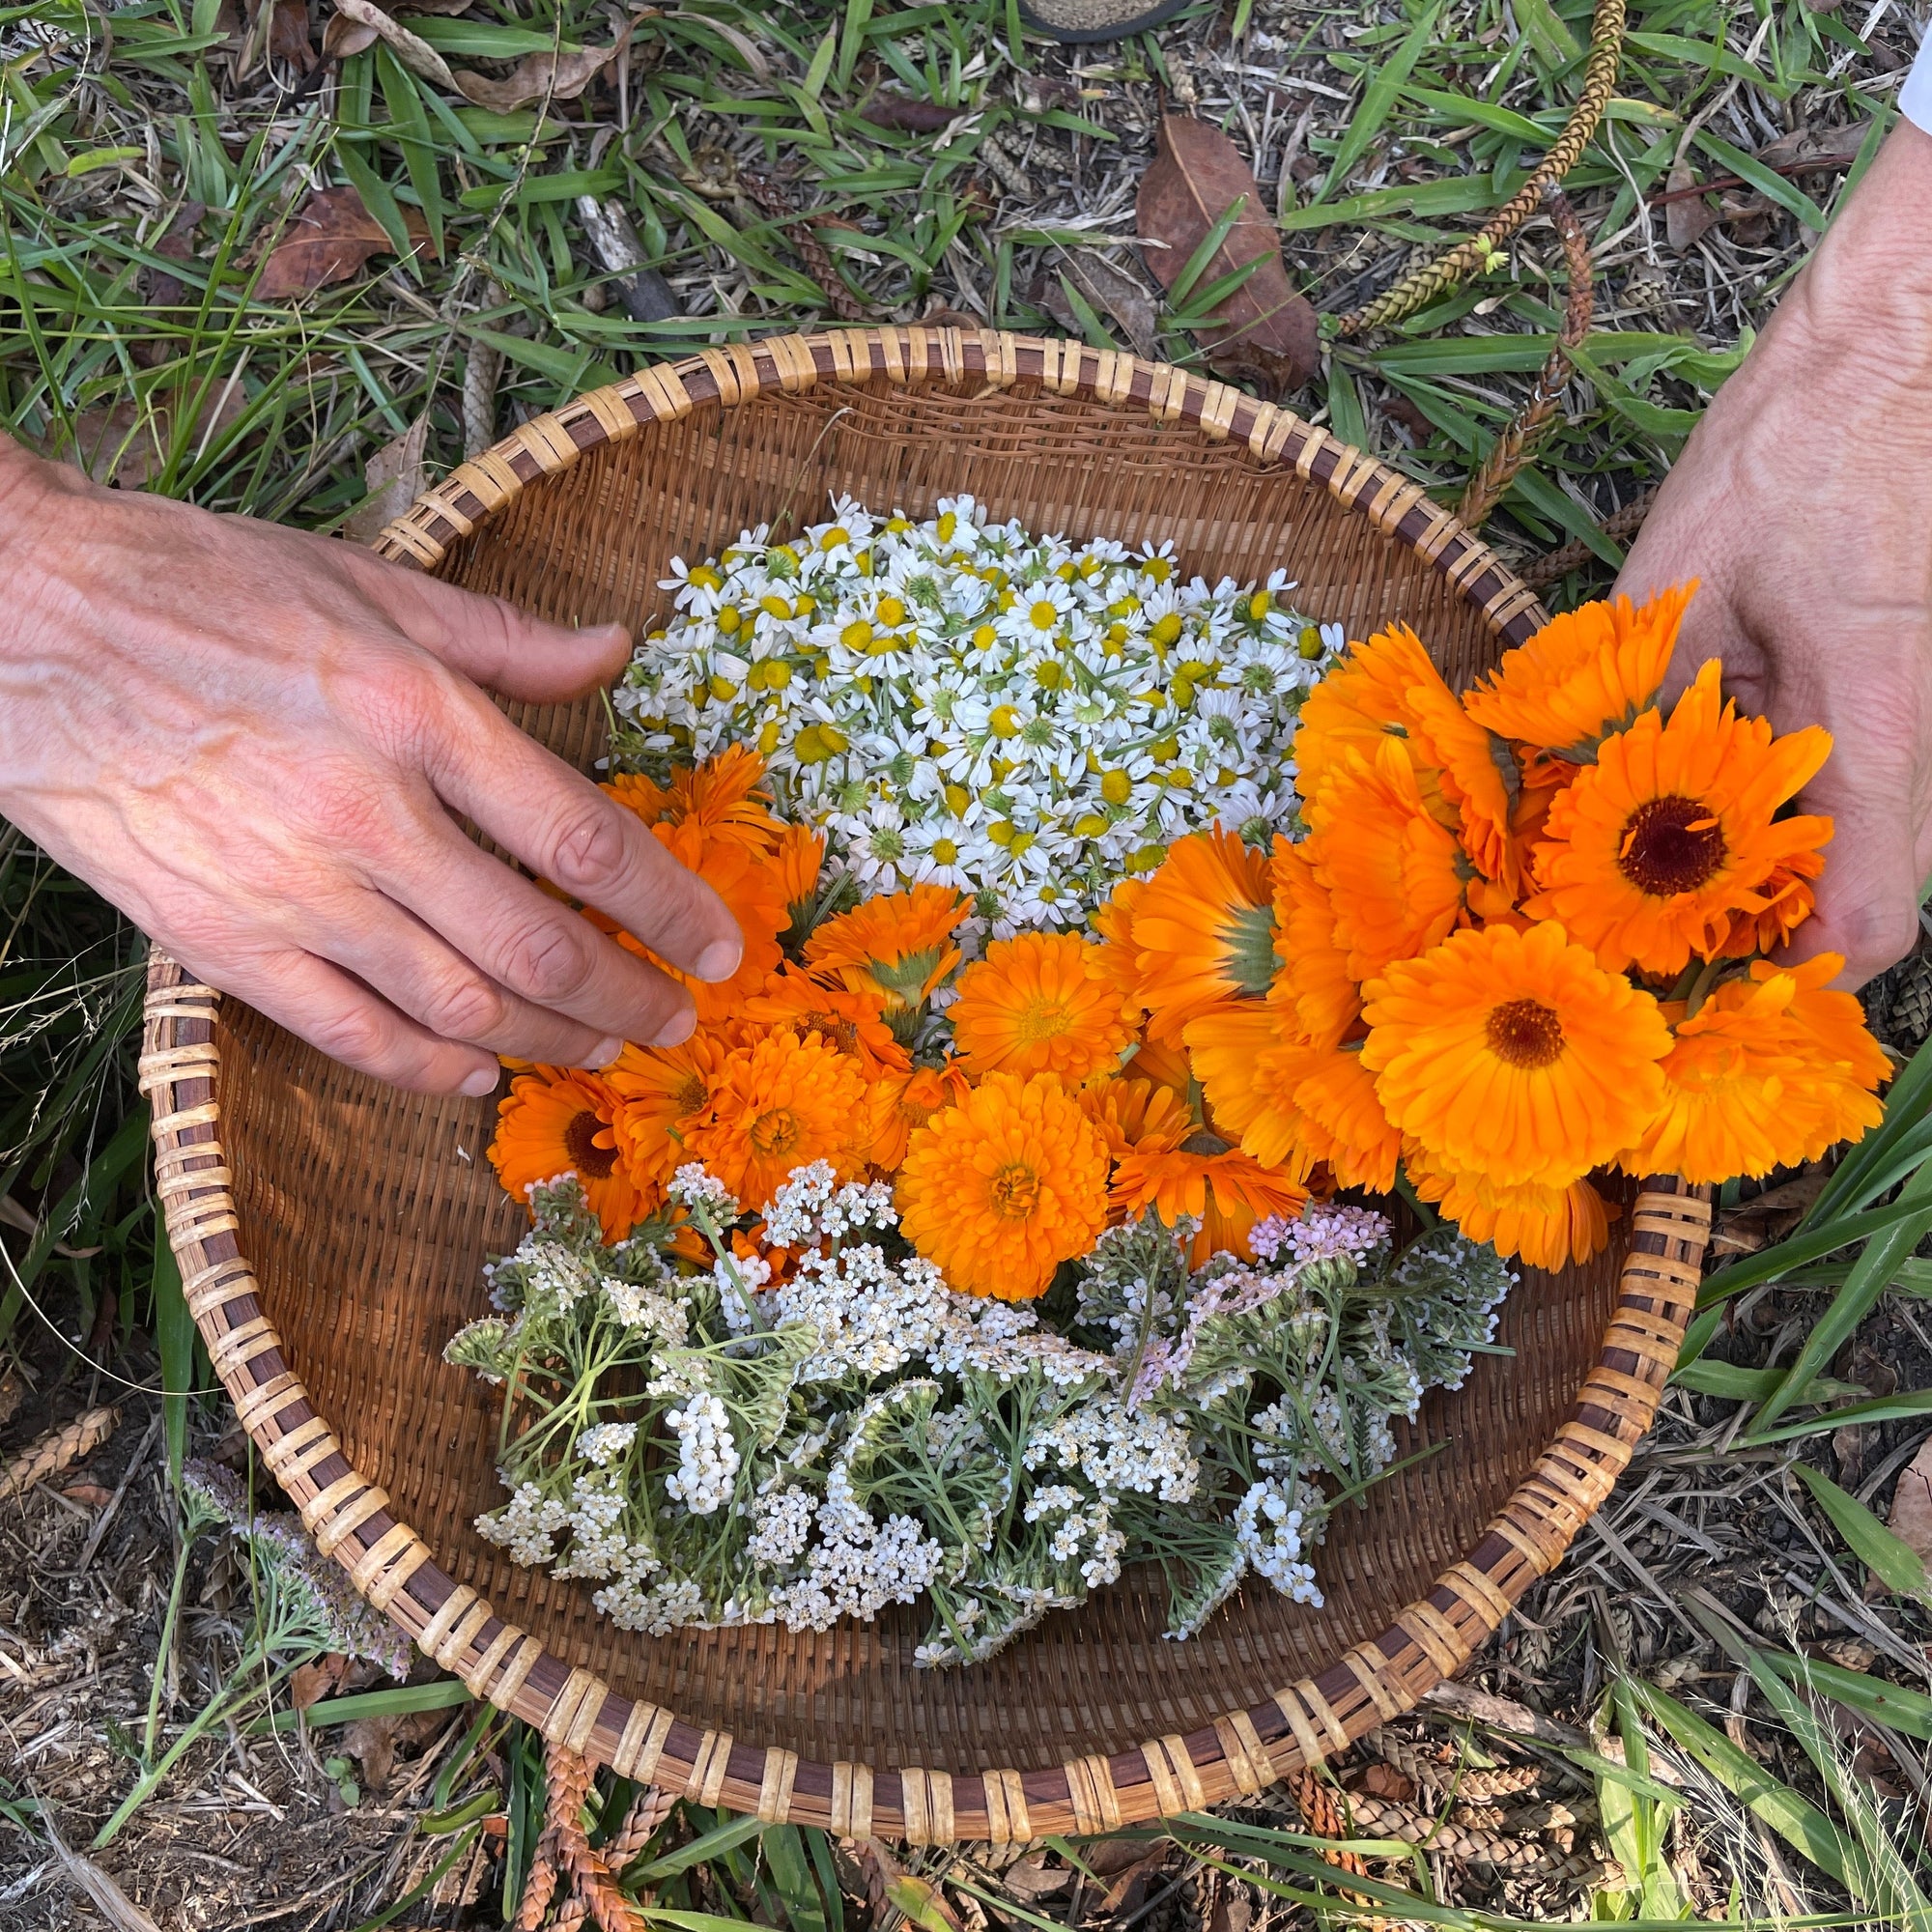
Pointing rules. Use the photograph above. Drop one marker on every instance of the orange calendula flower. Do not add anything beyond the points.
(853, 1022)
(1227, 1193)
(1249, 1066)
(1000, 1189)
(1136, 1116)
(1769, 1072)
(744, 880)
(660, 1090)
(1344, 1122)
(1394, 875)
(1390, 687)
(901, 1102)
(1651, 852)
(1315, 983)
(1547, 1227)
(719, 798)
(776, 1105)
(1165, 1065)
(1204, 931)
(1585, 674)
(1039, 1003)
(899, 945)
(1514, 1055)
(798, 860)
(557, 1120)
(1117, 962)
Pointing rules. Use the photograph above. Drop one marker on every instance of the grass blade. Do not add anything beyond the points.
(1378, 98)
(1889, 1558)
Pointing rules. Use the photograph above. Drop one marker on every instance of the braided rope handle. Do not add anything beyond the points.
(1511, 449)
(1434, 279)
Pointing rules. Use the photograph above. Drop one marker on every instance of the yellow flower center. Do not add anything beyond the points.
(1041, 1020)
(945, 852)
(1670, 845)
(1015, 1192)
(774, 1133)
(1525, 1033)
(1005, 723)
(580, 1141)
(891, 610)
(1043, 616)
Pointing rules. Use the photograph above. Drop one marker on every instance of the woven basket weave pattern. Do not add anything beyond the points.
(331, 1230)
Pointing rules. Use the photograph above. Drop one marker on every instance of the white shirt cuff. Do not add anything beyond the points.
(1914, 97)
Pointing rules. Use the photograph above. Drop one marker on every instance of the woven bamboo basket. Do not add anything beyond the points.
(331, 1230)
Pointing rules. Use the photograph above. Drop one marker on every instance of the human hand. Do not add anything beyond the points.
(253, 740)
(1804, 503)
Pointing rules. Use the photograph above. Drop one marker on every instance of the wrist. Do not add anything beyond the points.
(1865, 297)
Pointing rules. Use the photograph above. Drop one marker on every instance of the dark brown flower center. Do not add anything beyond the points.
(1525, 1033)
(1015, 1191)
(774, 1133)
(1670, 845)
(692, 1094)
(580, 1141)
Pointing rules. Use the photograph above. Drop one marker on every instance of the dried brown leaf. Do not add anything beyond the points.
(1115, 293)
(1263, 333)
(1384, 1781)
(394, 478)
(314, 1681)
(372, 1743)
(177, 245)
(331, 239)
(413, 52)
(89, 1496)
(13, 1393)
(560, 76)
(1912, 1503)
(288, 36)
(1686, 221)
(909, 116)
(1234, 1909)
(1771, 1215)
(1820, 148)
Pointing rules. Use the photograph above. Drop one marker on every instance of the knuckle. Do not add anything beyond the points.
(550, 962)
(1878, 936)
(350, 809)
(467, 1007)
(355, 1034)
(591, 852)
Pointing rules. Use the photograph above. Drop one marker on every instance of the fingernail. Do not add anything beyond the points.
(720, 959)
(679, 1028)
(601, 1054)
(483, 1081)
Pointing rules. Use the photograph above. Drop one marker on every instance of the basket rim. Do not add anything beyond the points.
(1244, 1749)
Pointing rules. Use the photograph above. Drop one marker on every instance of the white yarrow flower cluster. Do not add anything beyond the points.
(961, 702)
(1268, 1526)
(707, 1458)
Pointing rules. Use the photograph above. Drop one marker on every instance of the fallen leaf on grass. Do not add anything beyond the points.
(559, 76)
(366, 23)
(1911, 1517)
(909, 116)
(1771, 1215)
(1109, 290)
(372, 1743)
(177, 245)
(1262, 333)
(328, 242)
(312, 1682)
(1820, 148)
(89, 1496)
(1384, 1781)
(287, 38)
(1686, 221)
(394, 478)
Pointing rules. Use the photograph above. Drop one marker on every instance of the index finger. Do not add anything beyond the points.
(568, 831)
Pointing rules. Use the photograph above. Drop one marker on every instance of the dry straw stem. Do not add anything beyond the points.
(1436, 279)
(58, 1450)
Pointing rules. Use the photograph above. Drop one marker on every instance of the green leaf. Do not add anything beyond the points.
(1863, 1285)
(1889, 1558)
(444, 1694)
(1879, 1408)
(174, 1339)
(1792, 1817)
(1786, 195)
(1378, 98)
(1903, 1709)
(1773, 1263)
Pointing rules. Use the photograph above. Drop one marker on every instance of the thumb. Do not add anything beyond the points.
(488, 640)
(1868, 897)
